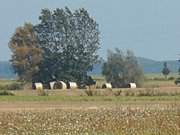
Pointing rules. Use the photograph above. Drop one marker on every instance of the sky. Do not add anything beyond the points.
(150, 28)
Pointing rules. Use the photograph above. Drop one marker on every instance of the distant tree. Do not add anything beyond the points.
(121, 69)
(69, 41)
(179, 67)
(165, 70)
(179, 70)
(26, 56)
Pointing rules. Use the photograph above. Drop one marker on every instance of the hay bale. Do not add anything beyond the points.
(60, 85)
(107, 86)
(72, 85)
(37, 86)
(132, 85)
(51, 84)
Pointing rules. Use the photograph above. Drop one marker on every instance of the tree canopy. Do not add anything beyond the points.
(68, 43)
(122, 68)
(165, 70)
(26, 56)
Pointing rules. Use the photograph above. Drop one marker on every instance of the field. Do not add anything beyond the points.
(153, 109)
(121, 120)
(56, 115)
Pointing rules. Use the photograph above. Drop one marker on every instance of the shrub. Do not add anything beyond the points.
(91, 92)
(15, 86)
(117, 93)
(6, 93)
(122, 69)
(147, 92)
(158, 79)
(171, 78)
(42, 92)
(107, 92)
(12, 86)
(128, 93)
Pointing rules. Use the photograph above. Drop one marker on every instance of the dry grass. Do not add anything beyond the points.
(158, 83)
(162, 91)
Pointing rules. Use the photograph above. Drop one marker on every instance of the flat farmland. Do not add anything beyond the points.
(151, 110)
(97, 115)
(74, 113)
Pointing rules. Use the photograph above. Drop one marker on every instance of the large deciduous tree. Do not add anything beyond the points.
(121, 69)
(26, 56)
(69, 41)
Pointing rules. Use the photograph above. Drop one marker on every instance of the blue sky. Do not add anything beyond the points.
(150, 28)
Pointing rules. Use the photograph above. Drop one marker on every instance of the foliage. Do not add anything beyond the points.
(91, 92)
(69, 41)
(42, 92)
(6, 93)
(26, 56)
(171, 78)
(121, 69)
(165, 70)
(117, 93)
(11, 86)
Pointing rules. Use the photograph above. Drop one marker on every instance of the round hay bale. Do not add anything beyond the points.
(107, 86)
(51, 84)
(59, 85)
(132, 85)
(72, 85)
(38, 85)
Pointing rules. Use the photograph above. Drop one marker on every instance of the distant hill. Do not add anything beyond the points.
(6, 71)
(152, 66)
(148, 65)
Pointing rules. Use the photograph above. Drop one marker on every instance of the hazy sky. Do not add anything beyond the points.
(151, 28)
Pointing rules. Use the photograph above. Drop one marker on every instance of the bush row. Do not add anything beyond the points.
(6, 93)
(12, 86)
(161, 79)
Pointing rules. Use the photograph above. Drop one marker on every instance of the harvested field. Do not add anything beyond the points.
(84, 115)
(119, 120)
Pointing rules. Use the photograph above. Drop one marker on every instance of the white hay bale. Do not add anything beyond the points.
(58, 85)
(63, 85)
(72, 85)
(107, 86)
(132, 85)
(38, 86)
(52, 85)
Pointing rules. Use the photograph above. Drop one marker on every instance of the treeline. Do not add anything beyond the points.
(63, 46)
